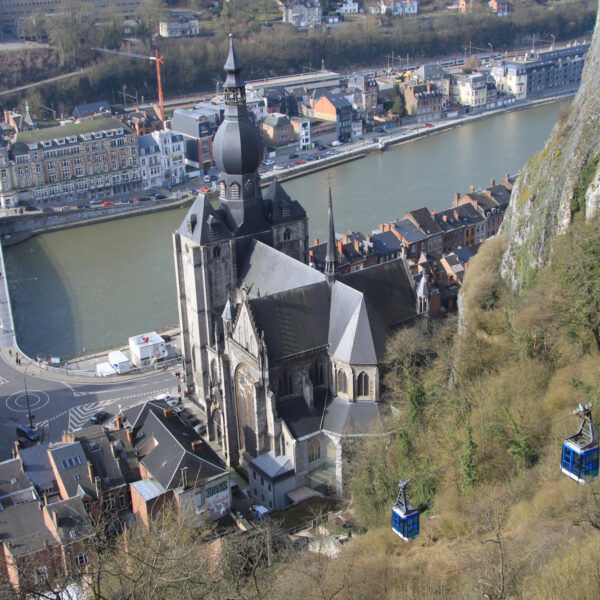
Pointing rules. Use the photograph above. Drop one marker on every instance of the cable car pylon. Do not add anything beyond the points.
(580, 451)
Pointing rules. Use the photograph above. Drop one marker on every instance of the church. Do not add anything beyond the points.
(284, 359)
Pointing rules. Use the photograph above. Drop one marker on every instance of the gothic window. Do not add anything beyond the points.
(286, 384)
(316, 373)
(213, 372)
(363, 384)
(234, 191)
(249, 187)
(342, 384)
(287, 234)
(217, 251)
(222, 191)
(244, 396)
(314, 451)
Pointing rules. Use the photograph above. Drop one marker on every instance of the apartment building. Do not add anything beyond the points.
(67, 164)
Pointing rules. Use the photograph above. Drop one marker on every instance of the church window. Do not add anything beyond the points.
(363, 384)
(249, 187)
(316, 373)
(222, 191)
(314, 451)
(286, 384)
(213, 371)
(287, 234)
(342, 383)
(217, 251)
(234, 191)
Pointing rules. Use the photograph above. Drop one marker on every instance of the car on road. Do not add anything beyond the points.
(103, 204)
(24, 431)
(279, 166)
(204, 189)
(269, 163)
(160, 196)
(99, 417)
(47, 209)
(428, 125)
(331, 152)
(170, 400)
(299, 162)
(293, 155)
(207, 179)
(214, 177)
(83, 206)
(166, 337)
(142, 199)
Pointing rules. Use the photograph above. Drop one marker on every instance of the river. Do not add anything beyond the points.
(90, 288)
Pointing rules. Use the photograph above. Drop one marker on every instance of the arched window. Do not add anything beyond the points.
(216, 251)
(222, 191)
(342, 384)
(213, 372)
(363, 384)
(314, 451)
(286, 384)
(287, 234)
(234, 191)
(316, 373)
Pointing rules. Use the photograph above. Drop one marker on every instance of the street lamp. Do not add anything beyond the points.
(27, 396)
(491, 47)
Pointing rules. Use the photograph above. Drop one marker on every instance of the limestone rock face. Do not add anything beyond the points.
(559, 182)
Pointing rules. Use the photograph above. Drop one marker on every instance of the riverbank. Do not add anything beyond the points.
(17, 229)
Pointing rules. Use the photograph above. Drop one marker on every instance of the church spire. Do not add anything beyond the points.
(331, 255)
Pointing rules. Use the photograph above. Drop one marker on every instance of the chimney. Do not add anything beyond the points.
(119, 421)
(381, 227)
(445, 218)
(130, 436)
(357, 244)
(428, 87)
(369, 238)
(456, 198)
(114, 450)
(167, 412)
(471, 188)
(197, 446)
(311, 255)
(340, 246)
(492, 182)
(315, 241)
(90, 467)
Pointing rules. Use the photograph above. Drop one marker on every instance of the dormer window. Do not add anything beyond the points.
(98, 136)
(73, 139)
(60, 141)
(32, 146)
(119, 132)
(286, 210)
(87, 137)
(110, 133)
(47, 144)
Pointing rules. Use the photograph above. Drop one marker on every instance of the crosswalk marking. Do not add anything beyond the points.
(80, 415)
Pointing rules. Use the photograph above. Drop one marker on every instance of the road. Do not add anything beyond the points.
(60, 405)
(43, 81)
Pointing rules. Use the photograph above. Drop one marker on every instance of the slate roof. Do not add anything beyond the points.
(273, 467)
(93, 108)
(295, 320)
(451, 223)
(269, 271)
(203, 224)
(343, 417)
(62, 131)
(36, 464)
(500, 194)
(71, 518)
(12, 477)
(424, 221)
(409, 231)
(71, 469)
(147, 144)
(164, 447)
(23, 526)
(279, 206)
(464, 254)
(276, 120)
(385, 242)
(298, 417)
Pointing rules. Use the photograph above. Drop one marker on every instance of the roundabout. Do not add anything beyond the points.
(17, 401)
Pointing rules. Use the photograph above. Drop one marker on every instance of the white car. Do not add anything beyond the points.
(170, 400)
(269, 163)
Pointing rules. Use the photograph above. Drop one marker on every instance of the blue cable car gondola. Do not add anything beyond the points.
(405, 518)
(580, 451)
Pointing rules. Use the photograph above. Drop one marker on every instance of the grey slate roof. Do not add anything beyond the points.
(346, 418)
(298, 417)
(203, 224)
(279, 206)
(385, 242)
(93, 108)
(269, 271)
(36, 464)
(409, 231)
(70, 516)
(23, 526)
(276, 120)
(71, 464)
(12, 478)
(147, 144)
(274, 467)
(293, 321)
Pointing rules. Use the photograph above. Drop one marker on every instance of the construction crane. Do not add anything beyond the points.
(159, 61)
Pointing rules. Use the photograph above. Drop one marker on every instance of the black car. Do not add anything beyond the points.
(26, 432)
(142, 199)
(47, 209)
(293, 155)
(99, 417)
(166, 337)
(160, 196)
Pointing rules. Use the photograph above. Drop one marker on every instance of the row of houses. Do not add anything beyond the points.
(436, 245)
(55, 498)
(90, 160)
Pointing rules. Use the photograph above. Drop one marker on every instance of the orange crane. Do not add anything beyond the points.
(159, 61)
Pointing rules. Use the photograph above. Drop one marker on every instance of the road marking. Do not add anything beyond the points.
(3, 380)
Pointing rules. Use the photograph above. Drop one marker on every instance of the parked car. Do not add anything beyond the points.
(428, 125)
(214, 177)
(160, 196)
(165, 397)
(142, 199)
(293, 155)
(269, 163)
(83, 206)
(207, 179)
(24, 431)
(95, 202)
(99, 417)
(279, 166)
(299, 162)
(47, 209)
(29, 208)
(103, 204)
(152, 193)
(166, 337)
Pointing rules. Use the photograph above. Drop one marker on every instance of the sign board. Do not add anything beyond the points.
(217, 496)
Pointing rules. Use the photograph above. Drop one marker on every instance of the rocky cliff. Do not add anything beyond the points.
(557, 184)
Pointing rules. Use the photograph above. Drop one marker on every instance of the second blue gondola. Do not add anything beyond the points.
(580, 452)
(405, 518)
